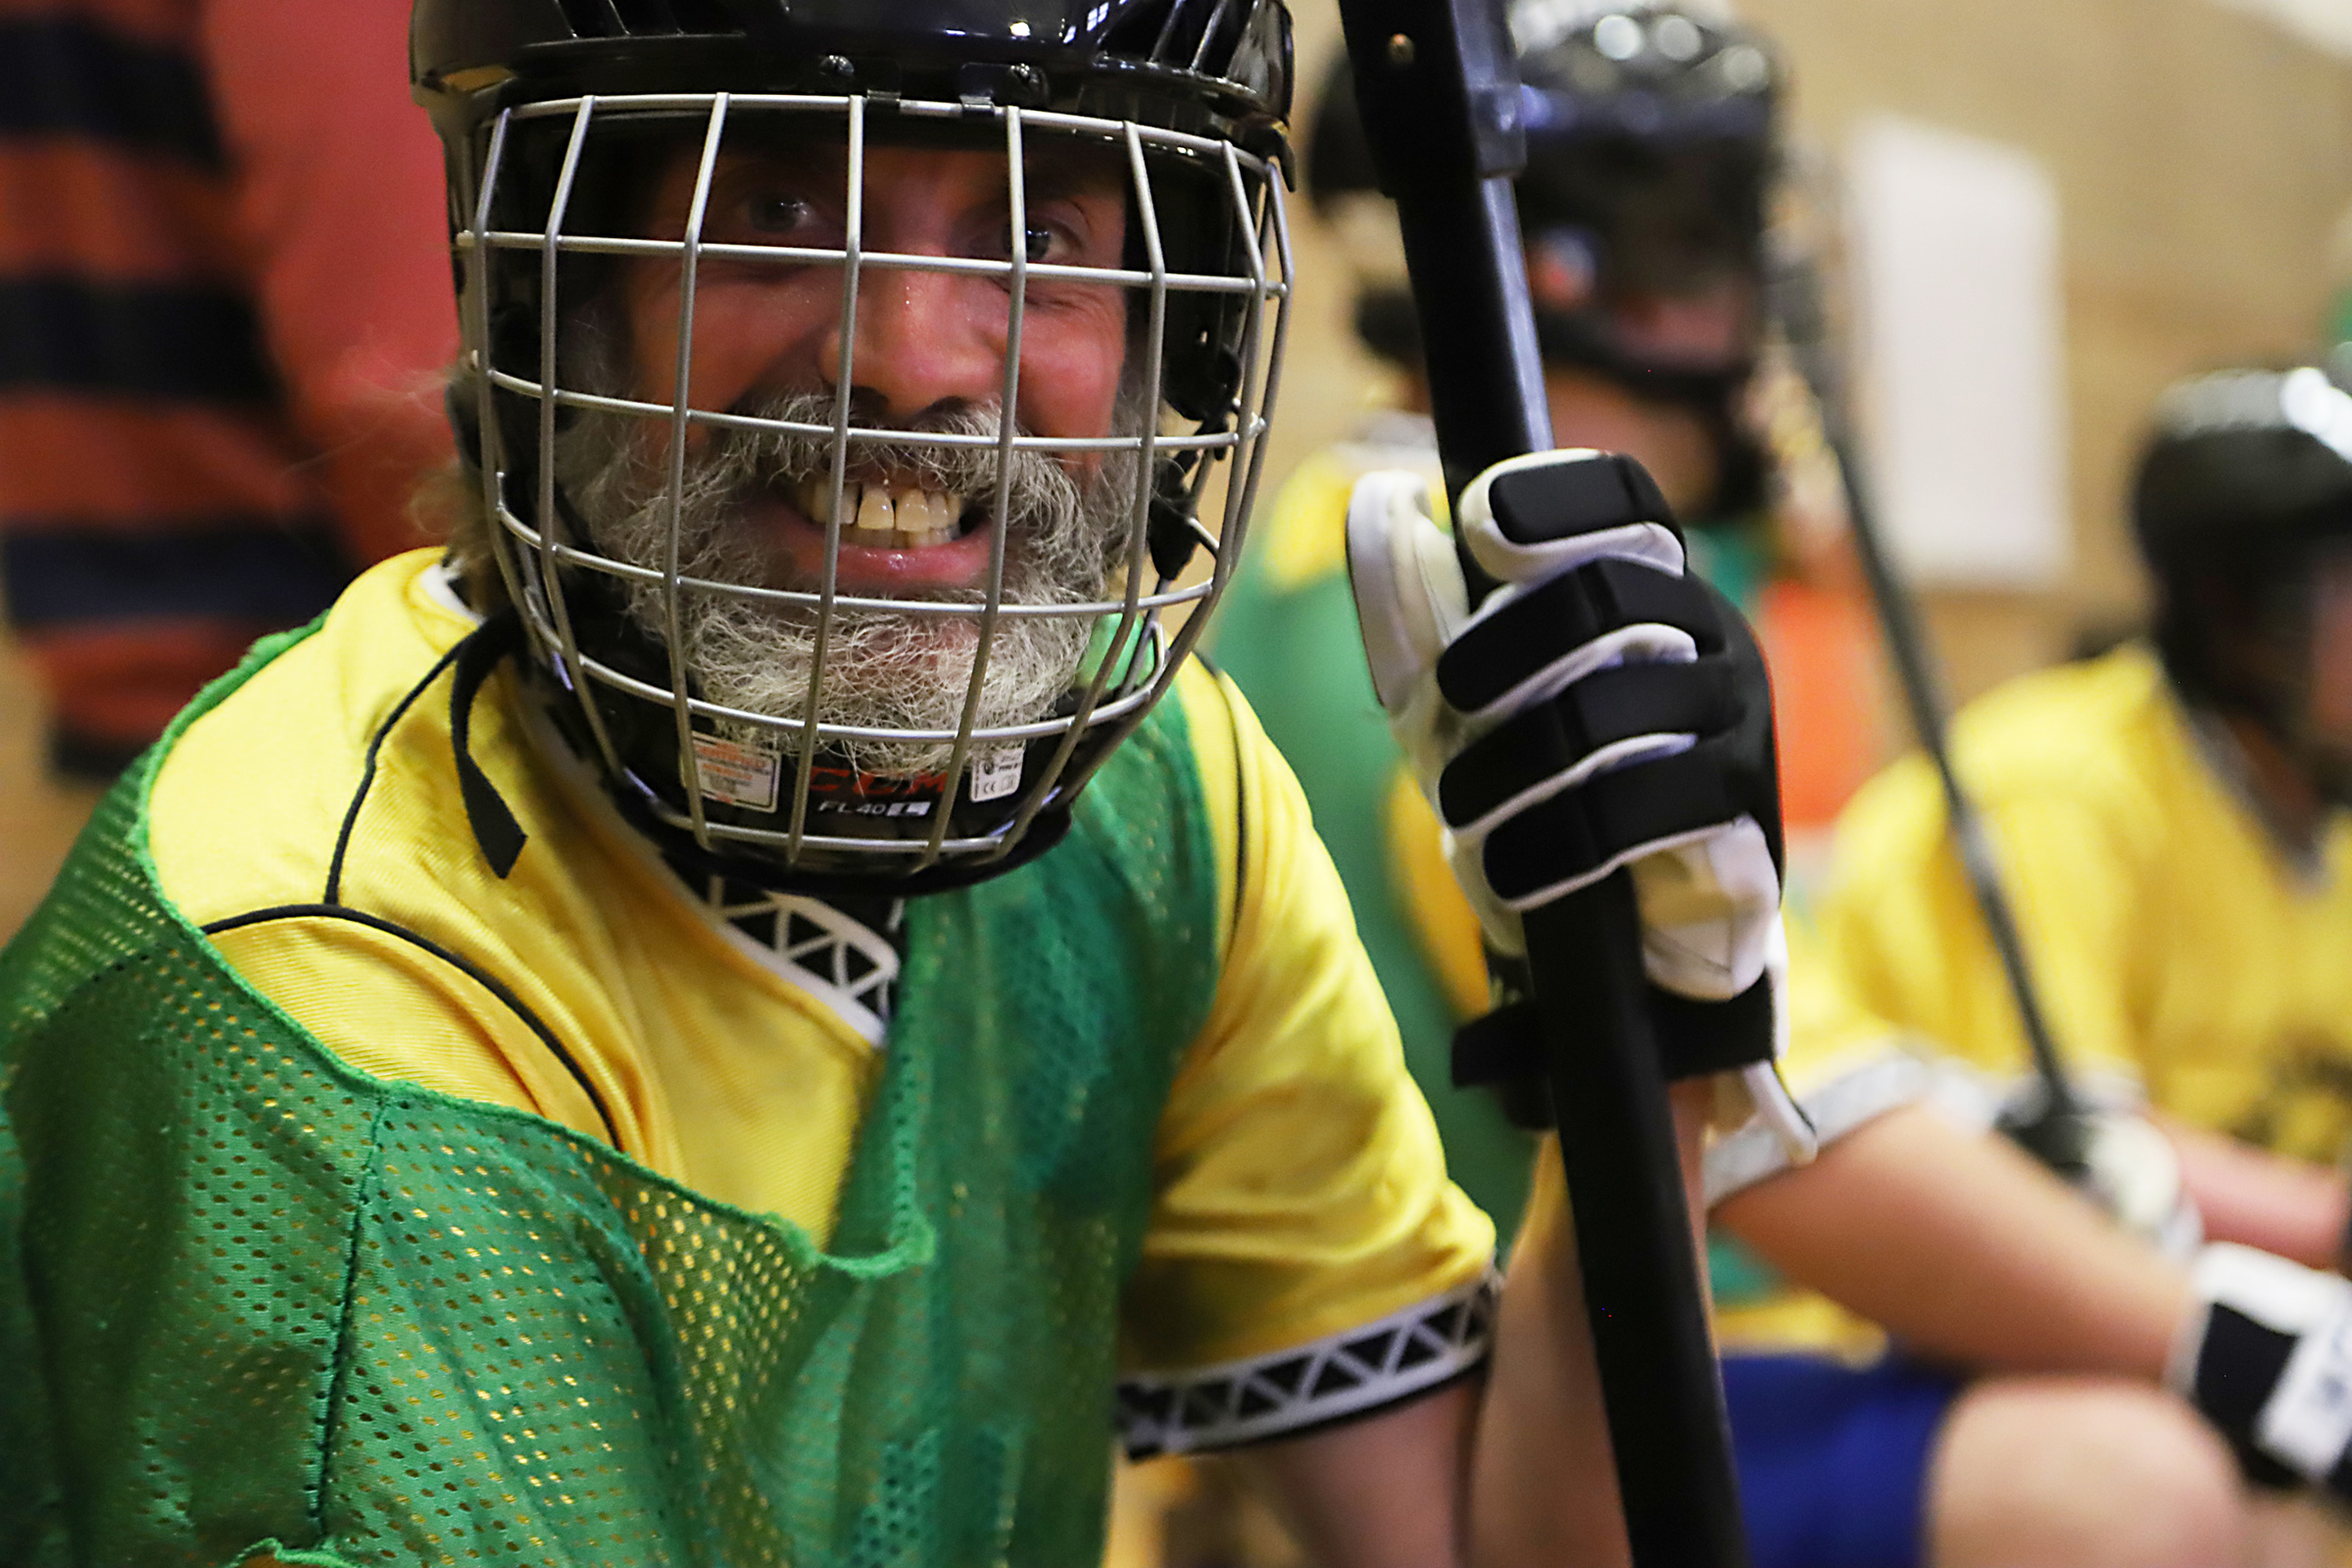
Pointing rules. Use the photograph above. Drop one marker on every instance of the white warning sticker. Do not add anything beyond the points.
(995, 774)
(737, 773)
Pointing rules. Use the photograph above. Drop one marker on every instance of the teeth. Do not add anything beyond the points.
(924, 518)
(881, 518)
(816, 500)
(875, 515)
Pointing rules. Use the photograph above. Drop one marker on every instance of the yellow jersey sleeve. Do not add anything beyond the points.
(1302, 1191)
(1843, 1064)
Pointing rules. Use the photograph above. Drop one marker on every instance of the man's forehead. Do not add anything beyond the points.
(803, 147)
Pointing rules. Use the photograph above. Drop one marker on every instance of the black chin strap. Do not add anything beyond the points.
(500, 836)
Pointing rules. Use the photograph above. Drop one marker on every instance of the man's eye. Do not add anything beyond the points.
(776, 214)
(1041, 244)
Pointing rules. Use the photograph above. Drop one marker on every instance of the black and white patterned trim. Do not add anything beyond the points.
(1385, 1362)
(848, 964)
(844, 958)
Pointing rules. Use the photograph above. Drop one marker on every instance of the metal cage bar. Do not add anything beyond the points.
(477, 320)
(803, 767)
(559, 606)
(1122, 647)
(690, 763)
(1008, 401)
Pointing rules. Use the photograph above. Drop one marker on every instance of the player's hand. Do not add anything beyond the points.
(2268, 1360)
(2131, 1172)
(1603, 707)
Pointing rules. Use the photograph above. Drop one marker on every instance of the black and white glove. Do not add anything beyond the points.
(2267, 1358)
(2111, 1155)
(2131, 1170)
(1602, 709)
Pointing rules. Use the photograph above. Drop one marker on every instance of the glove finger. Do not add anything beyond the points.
(1753, 743)
(1531, 516)
(1605, 707)
(1493, 657)
(1408, 589)
(1578, 835)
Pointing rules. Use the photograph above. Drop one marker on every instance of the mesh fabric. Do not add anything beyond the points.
(275, 1300)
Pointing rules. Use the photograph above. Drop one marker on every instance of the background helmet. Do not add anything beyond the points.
(555, 113)
(1650, 156)
(2245, 476)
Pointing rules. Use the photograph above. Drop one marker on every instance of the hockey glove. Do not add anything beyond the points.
(2267, 1358)
(1602, 709)
(2131, 1170)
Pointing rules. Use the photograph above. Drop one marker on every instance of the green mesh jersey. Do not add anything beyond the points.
(257, 1297)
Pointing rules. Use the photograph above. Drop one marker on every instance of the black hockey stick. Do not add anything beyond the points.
(1439, 87)
(2054, 1129)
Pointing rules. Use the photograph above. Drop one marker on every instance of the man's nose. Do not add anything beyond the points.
(923, 339)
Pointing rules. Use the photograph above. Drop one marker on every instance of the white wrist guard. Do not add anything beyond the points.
(2267, 1358)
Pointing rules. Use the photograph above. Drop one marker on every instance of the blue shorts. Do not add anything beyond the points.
(1834, 1459)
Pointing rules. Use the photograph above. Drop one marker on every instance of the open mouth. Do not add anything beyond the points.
(878, 515)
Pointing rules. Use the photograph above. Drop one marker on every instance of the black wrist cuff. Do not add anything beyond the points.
(1504, 1048)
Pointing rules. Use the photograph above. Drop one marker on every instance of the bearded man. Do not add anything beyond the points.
(626, 1041)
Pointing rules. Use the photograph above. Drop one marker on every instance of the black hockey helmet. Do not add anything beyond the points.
(1650, 155)
(2245, 476)
(2243, 468)
(555, 114)
(1651, 162)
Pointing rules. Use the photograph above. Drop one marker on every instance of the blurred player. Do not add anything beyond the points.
(1651, 172)
(2169, 820)
(223, 319)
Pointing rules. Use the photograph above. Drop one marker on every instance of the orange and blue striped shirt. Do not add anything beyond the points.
(224, 298)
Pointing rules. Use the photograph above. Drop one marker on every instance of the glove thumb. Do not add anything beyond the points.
(1410, 596)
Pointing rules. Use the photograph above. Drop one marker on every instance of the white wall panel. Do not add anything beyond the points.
(1956, 267)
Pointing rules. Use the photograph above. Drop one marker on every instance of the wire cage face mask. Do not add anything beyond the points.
(799, 624)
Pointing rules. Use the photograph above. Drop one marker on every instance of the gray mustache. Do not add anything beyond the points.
(746, 462)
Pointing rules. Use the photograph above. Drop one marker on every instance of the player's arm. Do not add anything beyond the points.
(1512, 1470)
(2247, 1195)
(1965, 1249)
(1969, 1252)
(1303, 1212)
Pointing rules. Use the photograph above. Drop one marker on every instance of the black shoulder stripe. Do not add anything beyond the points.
(276, 571)
(481, 977)
(71, 335)
(66, 76)
(1240, 818)
(1241, 795)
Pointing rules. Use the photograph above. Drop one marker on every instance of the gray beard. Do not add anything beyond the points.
(882, 670)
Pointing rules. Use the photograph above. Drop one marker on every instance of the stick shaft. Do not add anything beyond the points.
(1923, 697)
(1439, 91)
(1642, 1291)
